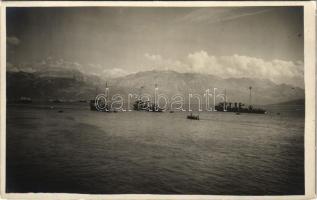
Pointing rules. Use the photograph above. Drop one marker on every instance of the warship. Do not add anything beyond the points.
(104, 107)
(101, 105)
(141, 105)
(238, 107)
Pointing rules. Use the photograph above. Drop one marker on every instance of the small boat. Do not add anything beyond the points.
(193, 117)
(172, 111)
(237, 113)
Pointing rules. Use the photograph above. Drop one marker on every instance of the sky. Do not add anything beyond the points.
(265, 42)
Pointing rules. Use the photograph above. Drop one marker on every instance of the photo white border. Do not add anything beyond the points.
(309, 74)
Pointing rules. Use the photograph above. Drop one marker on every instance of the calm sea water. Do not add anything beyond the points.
(81, 151)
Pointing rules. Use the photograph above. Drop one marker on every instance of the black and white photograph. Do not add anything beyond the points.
(195, 100)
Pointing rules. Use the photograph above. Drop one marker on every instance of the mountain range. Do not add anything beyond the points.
(71, 84)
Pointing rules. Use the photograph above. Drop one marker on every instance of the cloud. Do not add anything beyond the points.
(238, 66)
(60, 65)
(12, 44)
(10, 67)
(114, 73)
(203, 15)
(158, 62)
(13, 41)
(153, 57)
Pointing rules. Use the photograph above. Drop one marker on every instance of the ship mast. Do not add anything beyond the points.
(107, 90)
(250, 98)
(155, 97)
(225, 104)
(140, 92)
(156, 89)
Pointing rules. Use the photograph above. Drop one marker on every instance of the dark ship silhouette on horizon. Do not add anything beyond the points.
(141, 105)
(148, 106)
(102, 105)
(238, 107)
